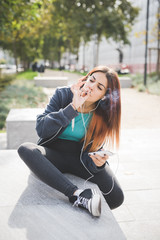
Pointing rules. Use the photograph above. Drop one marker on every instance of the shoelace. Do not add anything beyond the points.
(81, 201)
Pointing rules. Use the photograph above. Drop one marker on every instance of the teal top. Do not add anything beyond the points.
(75, 131)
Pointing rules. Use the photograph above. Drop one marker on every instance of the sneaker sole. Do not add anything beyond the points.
(95, 206)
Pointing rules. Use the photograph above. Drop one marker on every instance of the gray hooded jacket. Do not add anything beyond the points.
(56, 117)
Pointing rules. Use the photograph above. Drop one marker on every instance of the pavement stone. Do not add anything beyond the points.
(21, 124)
(138, 173)
(32, 210)
(3, 141)
(138, 230)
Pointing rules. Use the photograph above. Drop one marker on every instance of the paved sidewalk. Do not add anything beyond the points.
(139, 164)
(139, 175)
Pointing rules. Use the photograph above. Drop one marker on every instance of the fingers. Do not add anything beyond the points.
(80, 95)
(84, 93)
(78, 85)
(81, 82)
(98, 160)
(74, 88)
(85, 90)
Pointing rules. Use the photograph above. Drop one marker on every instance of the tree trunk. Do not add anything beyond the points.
(15, 55)
(25, 65)
(97, 53)
(51, 64)
(84, 56)
(158, 44)
(158, 62)
(28, 64)
(59, 58)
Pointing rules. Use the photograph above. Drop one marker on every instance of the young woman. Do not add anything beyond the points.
(76, 122)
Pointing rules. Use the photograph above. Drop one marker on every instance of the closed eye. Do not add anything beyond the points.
(92, 81)
(100, 88)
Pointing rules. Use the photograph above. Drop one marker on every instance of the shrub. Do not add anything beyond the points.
(5, 80)
(20, 93)
(3, 114)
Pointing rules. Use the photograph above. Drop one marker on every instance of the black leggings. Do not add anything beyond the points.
(63, 156)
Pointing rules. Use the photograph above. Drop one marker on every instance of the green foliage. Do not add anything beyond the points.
(154, 88)
(3, 113)
(20, 28)
(22, 96)
(21, 93)
(5, 80)
(26, 75)
(2, 61)
(141, 88)
(112, 19)
(154, 76)
(153, 85)
(36, 29)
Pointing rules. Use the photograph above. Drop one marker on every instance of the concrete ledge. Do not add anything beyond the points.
(32, 210)
(21, 126)
(125, 82)
(51, 82)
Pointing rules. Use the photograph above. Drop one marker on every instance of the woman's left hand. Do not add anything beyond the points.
(79, 95)
(98, 160)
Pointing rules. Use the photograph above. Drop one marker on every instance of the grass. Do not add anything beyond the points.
(20, 93)
(2, 131)
(152, 86)
(27, 75)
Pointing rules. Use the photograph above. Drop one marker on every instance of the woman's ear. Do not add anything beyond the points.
(104, 97)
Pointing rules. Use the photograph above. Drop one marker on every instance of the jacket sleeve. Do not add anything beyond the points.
(90, 165)
(58, 114)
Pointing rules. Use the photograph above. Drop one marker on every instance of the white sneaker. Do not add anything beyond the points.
(88, 199)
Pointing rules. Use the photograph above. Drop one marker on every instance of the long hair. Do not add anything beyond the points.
(105, 123)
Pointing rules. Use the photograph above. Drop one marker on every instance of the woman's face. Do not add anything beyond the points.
(97, 86)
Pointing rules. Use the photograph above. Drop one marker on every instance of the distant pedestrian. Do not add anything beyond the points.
(77, 122)
(34, 67)
(41, 68)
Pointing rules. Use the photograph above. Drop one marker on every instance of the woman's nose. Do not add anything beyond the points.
(92, 85)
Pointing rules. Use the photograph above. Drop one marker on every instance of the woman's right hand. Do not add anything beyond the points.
(79, 95)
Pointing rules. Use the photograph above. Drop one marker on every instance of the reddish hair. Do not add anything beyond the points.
(105, 123)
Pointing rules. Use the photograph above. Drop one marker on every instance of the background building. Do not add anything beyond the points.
(133, 54)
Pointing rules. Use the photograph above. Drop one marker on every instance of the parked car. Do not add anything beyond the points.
(123, 69)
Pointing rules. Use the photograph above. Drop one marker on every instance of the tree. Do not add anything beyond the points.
(158, 41)
(36, 28)
(154, 37)
(112, 19)
(21, 24)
